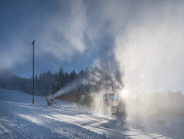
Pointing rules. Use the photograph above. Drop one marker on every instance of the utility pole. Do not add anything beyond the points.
(33, 69)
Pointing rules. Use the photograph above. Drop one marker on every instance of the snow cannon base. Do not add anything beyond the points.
(50, 100)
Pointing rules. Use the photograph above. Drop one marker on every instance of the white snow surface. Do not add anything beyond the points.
(20, 119)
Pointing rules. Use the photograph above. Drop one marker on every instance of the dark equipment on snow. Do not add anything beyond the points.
(50, 100)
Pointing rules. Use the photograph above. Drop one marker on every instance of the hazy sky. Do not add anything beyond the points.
(144, 38)
(68, 34)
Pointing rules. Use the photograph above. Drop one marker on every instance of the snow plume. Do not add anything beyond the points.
(101, 82)
(67, 89)
(161, 104)
(90, 87)
(150, 53)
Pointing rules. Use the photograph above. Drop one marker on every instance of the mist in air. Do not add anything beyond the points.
(147, 47)
(150, 51)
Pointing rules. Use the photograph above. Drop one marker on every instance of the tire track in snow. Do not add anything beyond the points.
(28, 130)
(48, 128)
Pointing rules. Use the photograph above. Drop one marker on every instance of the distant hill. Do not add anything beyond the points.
(5, 74)
(13, 82)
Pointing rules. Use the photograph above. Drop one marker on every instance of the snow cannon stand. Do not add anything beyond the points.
(50, 100)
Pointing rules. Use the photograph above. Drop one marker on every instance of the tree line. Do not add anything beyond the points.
(48, 83)
(92, 86)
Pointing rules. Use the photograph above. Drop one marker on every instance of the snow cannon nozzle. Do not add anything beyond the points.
(50, 100)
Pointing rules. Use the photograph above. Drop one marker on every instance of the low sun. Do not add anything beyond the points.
(124, 93)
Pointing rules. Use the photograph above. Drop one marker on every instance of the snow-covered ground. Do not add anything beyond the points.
(20, 119)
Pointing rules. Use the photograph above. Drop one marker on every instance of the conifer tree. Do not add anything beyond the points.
(61, 78)
(73, 75)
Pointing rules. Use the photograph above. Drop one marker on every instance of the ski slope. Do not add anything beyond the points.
(20, 119)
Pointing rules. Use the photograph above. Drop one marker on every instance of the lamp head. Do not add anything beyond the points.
(33, 42)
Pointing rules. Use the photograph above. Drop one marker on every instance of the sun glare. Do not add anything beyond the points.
(124, 93)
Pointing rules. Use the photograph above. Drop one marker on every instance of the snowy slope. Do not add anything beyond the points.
(21, 119)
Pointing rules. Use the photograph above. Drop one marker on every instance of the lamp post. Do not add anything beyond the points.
(33, 69)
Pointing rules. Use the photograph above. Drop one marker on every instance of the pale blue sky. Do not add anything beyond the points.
(61, 30)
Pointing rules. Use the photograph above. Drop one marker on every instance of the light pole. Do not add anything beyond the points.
(33, 69)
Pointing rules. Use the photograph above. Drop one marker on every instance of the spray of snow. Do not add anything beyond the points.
(148, 48)
(150, 52)
(66, 89)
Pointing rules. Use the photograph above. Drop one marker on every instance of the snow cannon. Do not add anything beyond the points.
(50, 100)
